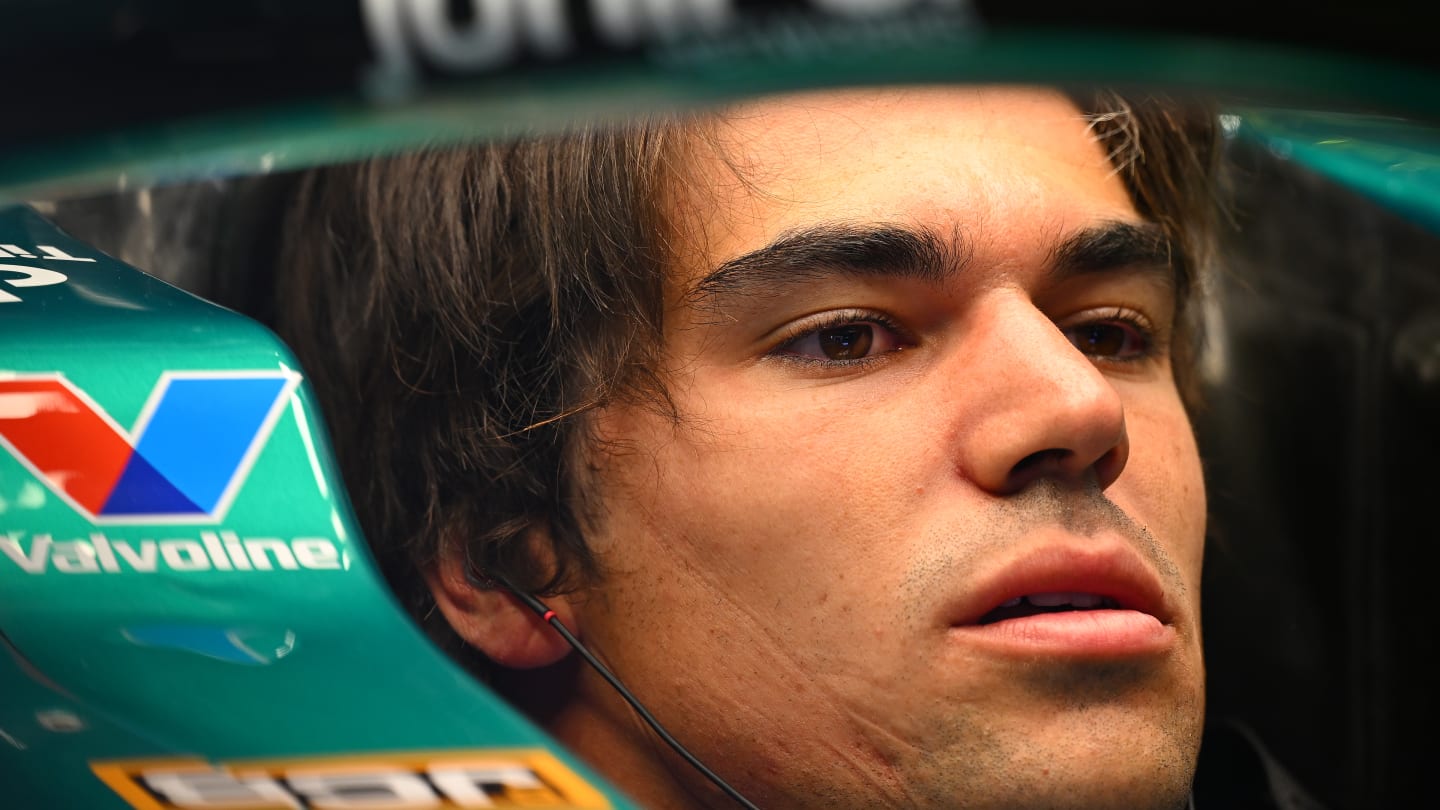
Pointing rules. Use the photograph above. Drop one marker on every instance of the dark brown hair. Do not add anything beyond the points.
(455, 311)
(459, 310)
(1167, 153)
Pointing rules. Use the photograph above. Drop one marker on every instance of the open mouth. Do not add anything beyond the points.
(1039, 603)
(1100, 600)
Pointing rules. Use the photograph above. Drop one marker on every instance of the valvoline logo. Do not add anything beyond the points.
(183, 462)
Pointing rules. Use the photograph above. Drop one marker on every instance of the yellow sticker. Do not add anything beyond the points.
(409, 780)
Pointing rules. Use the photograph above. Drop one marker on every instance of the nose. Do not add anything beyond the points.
(1038, 407)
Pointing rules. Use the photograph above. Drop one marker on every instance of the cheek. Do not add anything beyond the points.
(1163, 484)
(761, 499)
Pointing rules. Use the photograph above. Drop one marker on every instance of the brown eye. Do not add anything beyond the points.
(844, 342)
(849, 342)
(1110, 339)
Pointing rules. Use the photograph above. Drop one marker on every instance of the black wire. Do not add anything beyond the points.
(554, 621)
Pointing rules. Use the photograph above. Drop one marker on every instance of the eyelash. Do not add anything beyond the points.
(1152, 343)
(832, 320)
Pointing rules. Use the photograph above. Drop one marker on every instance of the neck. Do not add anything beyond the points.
(600, 728)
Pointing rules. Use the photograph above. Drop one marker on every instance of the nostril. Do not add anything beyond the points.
(1109, 466)
(1037, 465)
(1044, 458)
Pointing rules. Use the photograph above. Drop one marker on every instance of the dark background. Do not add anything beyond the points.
(1321, 441)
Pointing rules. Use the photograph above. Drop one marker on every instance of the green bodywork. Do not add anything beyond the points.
(222, 665)
(1390, 160)
(956, 48)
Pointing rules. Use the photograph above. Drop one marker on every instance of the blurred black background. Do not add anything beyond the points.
(1321, 440)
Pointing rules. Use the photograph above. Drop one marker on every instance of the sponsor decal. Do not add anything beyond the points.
(532, 778)
(30, 275)
(183, 462)
(211, 551)
(410, 36)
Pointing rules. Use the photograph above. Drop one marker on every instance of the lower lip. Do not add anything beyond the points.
(1077, 633)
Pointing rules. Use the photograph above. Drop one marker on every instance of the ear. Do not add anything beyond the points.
(493, 621)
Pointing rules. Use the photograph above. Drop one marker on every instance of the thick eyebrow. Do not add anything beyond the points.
(881, 250)
(1114, 246)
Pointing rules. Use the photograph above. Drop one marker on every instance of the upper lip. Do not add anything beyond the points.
(1109, 569)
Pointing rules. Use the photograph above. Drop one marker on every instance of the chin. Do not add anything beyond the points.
(1150, 767)
(1118, 756)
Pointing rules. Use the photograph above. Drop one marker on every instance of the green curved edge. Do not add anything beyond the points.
(155, 653)
(1393, 162)
(340, 129)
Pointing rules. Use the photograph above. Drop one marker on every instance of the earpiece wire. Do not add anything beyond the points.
(548, 615)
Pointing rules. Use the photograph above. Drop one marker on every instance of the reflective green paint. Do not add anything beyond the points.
(336, 129)
(219, 664)
(1394, 162)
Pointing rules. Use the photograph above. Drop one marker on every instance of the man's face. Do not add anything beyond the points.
(918, 344)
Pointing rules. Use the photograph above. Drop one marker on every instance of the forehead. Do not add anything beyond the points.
(1004, 167)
